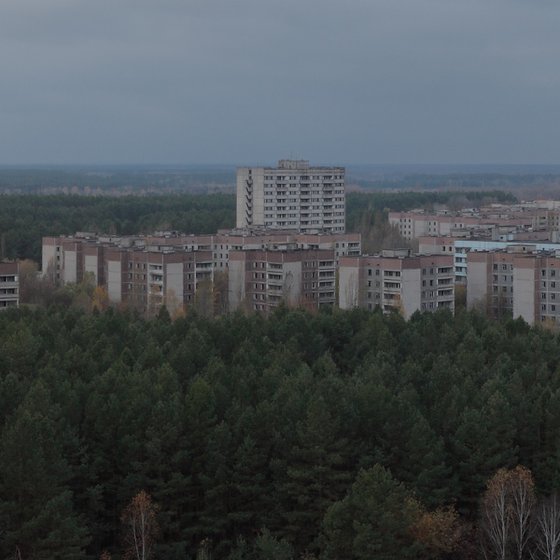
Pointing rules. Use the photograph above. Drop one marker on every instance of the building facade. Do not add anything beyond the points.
(396, 280)
(261, 280)
(519, 281)
(9, 285)
(291, 196)
(176, 270)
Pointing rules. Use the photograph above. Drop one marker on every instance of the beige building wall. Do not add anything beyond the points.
(250, 197)
(349, 283)
(292, 281)
(477, 282)
(49, 255)
(525, 291)
(411, 300)
(174, 286)
(236, 282)
(69, 273)
(114, 280)
(91, 265)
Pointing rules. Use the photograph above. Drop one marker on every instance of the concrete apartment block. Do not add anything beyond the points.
(9, 285)
(292, 196)
(261, 280)
(396, 280)
(505, 281)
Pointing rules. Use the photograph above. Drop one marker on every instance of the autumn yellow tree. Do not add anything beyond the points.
(100, 298)
(438, 531)
(140, 527)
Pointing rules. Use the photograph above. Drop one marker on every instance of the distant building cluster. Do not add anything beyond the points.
(290, 246)
(507, 257)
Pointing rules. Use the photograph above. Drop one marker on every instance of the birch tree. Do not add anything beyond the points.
(521, 505)
(547, 530)
(139, 520)
(495, 516)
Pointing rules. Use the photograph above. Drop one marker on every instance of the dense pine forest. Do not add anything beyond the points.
(338, 435)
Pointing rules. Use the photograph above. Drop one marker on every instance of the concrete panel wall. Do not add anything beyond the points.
(70, 267)
(292, 286)
(91, 266)
(349, 287)
(477, 284)
(174, 282)
(524, 290)
(411, 290)
(114, 281)
(236, 283)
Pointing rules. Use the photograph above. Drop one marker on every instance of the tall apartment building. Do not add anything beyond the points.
(395, 280)
(291, 196)
(261, 280)
(9, 285)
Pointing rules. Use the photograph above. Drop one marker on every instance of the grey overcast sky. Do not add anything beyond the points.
(248, 81)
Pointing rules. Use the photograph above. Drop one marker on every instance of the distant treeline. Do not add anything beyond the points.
(24, 220)
(455, 181)
(160, 179)
(115, 180)
(343, 435)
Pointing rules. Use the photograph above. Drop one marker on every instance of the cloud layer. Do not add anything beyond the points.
(202, 81)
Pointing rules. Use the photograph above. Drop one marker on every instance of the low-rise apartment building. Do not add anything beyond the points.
(396, 280)
(517, 281)
(260, 280)
(9, 285)
(169, 268)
